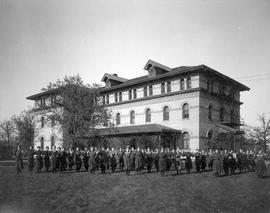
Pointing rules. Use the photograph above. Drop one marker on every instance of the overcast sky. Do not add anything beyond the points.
(41, 41)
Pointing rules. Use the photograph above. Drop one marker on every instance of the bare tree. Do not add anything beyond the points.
(76, 110)
(7, 130)
(25, 128)
(262, 133)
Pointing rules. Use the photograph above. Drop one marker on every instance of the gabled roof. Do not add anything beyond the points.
(113, 77)
(138, 129)
(156, 64)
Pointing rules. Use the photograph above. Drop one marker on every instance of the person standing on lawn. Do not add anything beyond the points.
(218, 163)
(78, 160)
(162, 161)
(31, 160)
(47, 161)
(260, 164)
(39, 159)
(53, 159)
(70, 159)
(188, 163)
(18, 159)
(126, 159)
(85, 159)
(92, 159)
(138, 160)
(148, 160)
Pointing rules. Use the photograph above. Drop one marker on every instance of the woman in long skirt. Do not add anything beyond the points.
(260, 164)
(19, 160)
(218, 163)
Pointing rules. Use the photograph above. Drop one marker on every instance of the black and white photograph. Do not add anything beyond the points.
(134, 106)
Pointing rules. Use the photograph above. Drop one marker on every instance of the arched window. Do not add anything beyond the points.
(166, 115)
(185, 111)
(52, 142)
(221, 115)
(42, 121)
(148, 115)
(210, 109)
(42, 143)
(186, 140)
(189, 83)
(132, 117)
(118, 119)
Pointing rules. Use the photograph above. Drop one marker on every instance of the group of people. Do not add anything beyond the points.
(223, 162)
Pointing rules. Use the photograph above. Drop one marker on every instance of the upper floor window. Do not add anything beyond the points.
(210, 109)
(53, 100)
(53, 121)
(185, 111)
(145, 91)
(42, 121)
(107, 99)
(163, 88)
(166, 115)
(221, 116)
(42, 102)
(182, 84)
(129, 94)
(132, 117)
(134, 93)
(103, 99)
(169, 87)
(189, 83)
(232, 115)
(148, 115)
(118, 119)
(150, 90)
(115, 97)
(120, 96)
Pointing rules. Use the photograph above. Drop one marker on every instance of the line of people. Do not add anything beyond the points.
(223, 162)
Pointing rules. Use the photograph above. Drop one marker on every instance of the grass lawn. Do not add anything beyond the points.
(83, 192)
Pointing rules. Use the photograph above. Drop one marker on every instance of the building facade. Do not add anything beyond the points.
(188, 106)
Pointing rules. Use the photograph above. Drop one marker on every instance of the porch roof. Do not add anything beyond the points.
(137, 129)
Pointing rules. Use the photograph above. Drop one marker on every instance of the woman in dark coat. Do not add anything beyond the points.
(92, 160)
(53, 159)
(188, 163)
(19, 160)
(78, 160)
(39, 159)
(70, 158)
(31, 160)
(148, 160)
(47, 161)
(260, 164)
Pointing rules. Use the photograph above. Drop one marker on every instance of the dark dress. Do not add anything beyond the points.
(54, 160)
(148, 161)
(31, 160)
(138, 160)
(19, 161)
(47, 161)
(39, 160)
(92, 159)
(218, 164)
(70, 160)
(85, 161)
(188, 163)
(126, 159)
(113, 161)
(78, 161)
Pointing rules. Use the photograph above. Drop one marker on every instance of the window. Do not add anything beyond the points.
(120, 96)
(107, 99)
(145, 91)
(208, 84)
(182, 84)
(105, 118)
(53, 100)
(232, 115)
(169, 88)
(134, 93)
(185, 111)
(103, 99)
(188, 83)
(132, 117)
(210, 108)
(42, 143)
(150, 90)
(221, 115)
(52, 142)
(42, 102)
(42, 121)
(186, 140)
(163, 88)
(129, 94)
(116, 97)
(148, 115)
(53, 121)
(166, 113)
(118, 119)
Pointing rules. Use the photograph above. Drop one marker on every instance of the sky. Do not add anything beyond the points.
(41, 41)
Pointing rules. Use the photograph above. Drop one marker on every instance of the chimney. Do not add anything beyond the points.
(115, 74)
